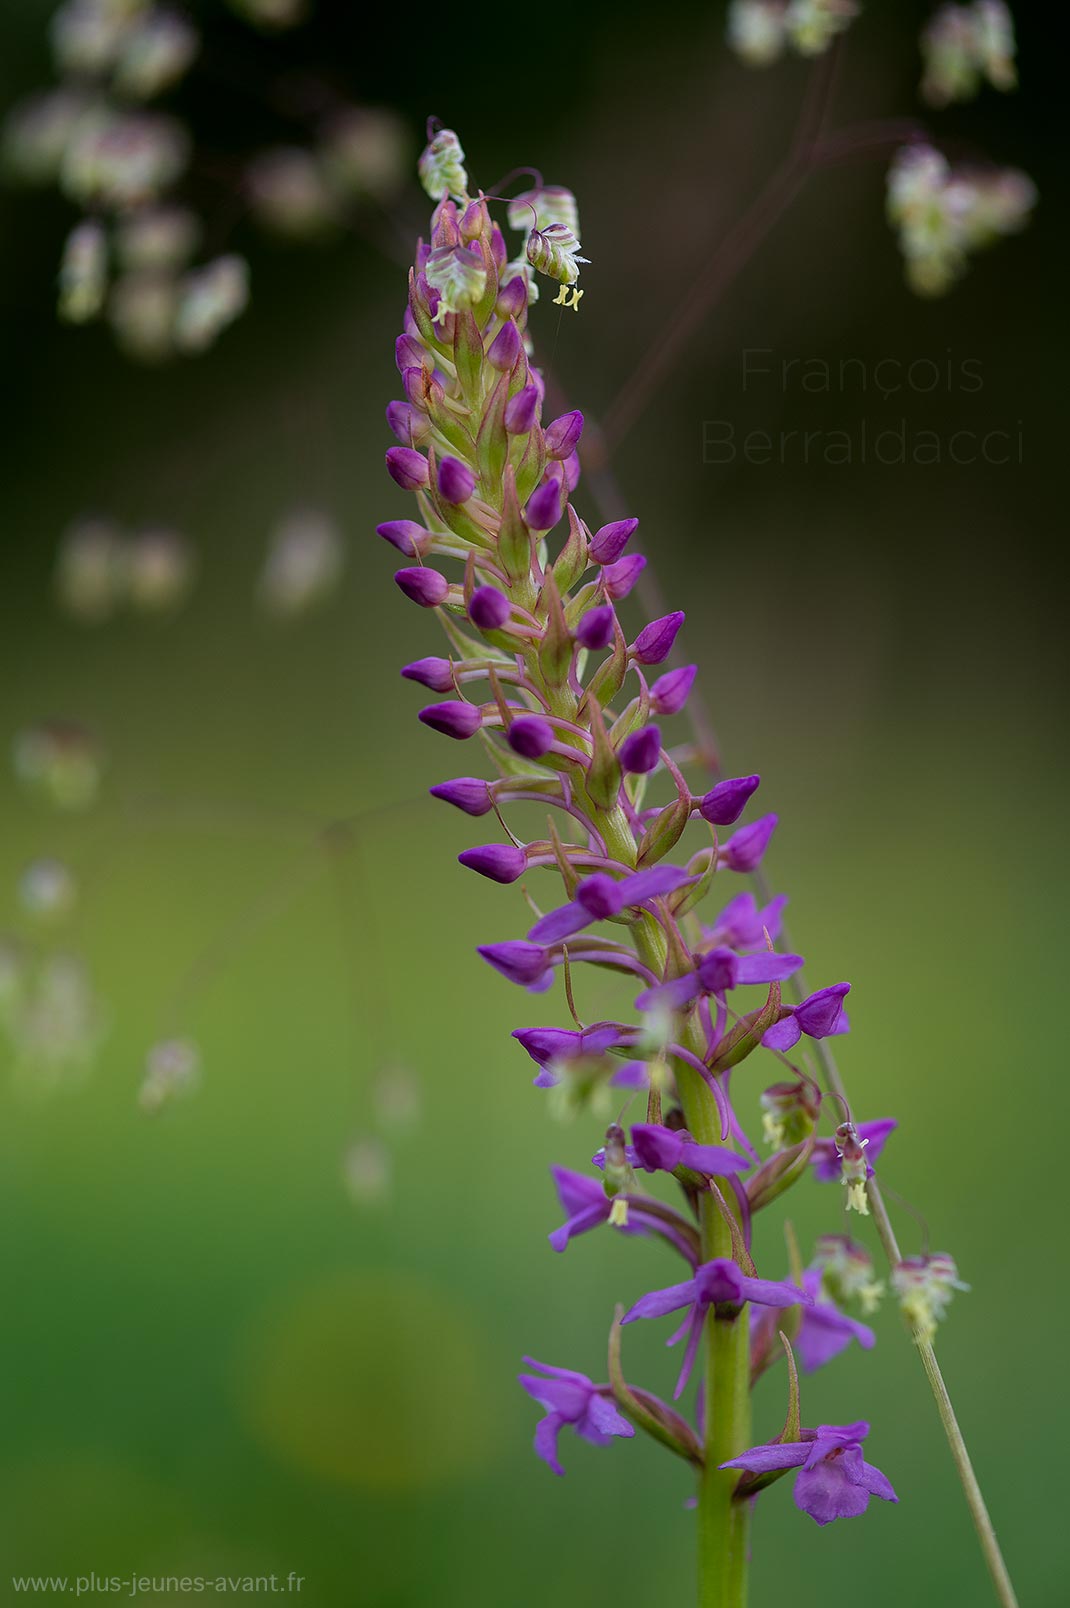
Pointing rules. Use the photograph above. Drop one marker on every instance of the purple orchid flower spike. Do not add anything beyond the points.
(820, 1015)
(715, 973)
(586, 1206)
(659, 1149)
(599, 897)
(826, 1158)
(834, 1480)
(573, 1400)
(716, 1284)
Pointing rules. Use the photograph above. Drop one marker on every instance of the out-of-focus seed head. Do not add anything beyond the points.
(60, 761)
(367, 1172)
(539, 207)
(155, 53)
(161, 567)
(47, 889)
(83, 273)
(123, 159)
(172, 1071)
(157, 238)
(210, 299)
(366, 151)
(91, 570)
(304, 564)
(288, 193)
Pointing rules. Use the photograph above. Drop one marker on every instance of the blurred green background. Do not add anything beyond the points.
(213, 1360)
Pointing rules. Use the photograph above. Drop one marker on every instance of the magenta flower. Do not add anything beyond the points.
(552, 1047)
(834, 1481)
(717, 971)
(719, 1284)
(572, 1400)
(586, 1205)
(741, 925)
(660, 1149)
(745, 848)
(599, 897)
(826, 1157)
(819, 1016)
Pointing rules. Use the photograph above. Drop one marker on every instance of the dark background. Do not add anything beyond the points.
(212, 1361)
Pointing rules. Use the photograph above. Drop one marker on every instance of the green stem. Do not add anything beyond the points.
(722, 1522)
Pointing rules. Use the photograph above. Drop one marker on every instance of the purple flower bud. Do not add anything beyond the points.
(618, 579)
(488, 608)
(530, 736)
(410, 353)
(498, 249)
(520, 411)
(563, 435)
(520, 962)
(725, 803)
(407, 468)
(501, 862)
(456, 482)
(453, 719)
(512, 298)
(544, 506)
(654, 642)
(468, 793)
(597, 627)
(434, 673)
(408, 537)
(424, 586)
(639, 752)
(595, 630)
(744, 849)
(608, 543)
(504, 349)
(670, 691)
(406, 423)
(571, 466)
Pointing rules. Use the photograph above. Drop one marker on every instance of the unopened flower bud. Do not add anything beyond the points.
(595, 629)
(530, 736)
(609, 542)
(654, 642)
(520, 410)
(437, 674)
(408, 537)
(618, 579)
(453, 719)
(745, 848)
(639, 752)
(504, 350)
(456, 482)
(468, 793)
(407, 468)
(543, 508)
(726, 802)
(522, 963)
(563, 435)
(501, 862)
(424, 586)
(669, 693)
